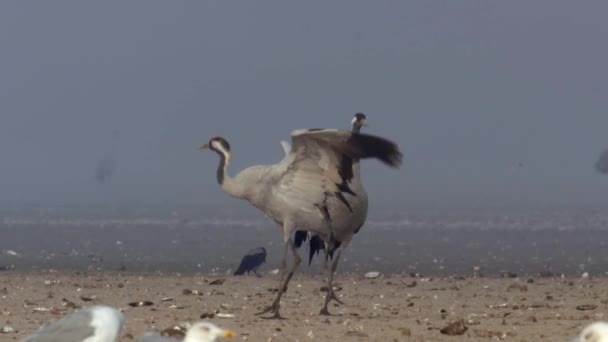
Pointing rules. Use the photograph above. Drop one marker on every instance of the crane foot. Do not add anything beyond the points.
(332, 296)
(274, 309)
(324, 312)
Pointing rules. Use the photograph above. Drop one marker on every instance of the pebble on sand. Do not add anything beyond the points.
(7, 330)
(456, 328)
(372, 275)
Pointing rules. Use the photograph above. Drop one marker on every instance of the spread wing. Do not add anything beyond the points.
(320, 163)
(286, 147)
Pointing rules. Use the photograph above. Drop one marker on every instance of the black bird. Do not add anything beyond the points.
(252, 261)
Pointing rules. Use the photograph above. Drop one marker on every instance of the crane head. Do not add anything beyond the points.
(359, 120)
(219, 145)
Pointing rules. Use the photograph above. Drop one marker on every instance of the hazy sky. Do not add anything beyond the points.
(489, 100)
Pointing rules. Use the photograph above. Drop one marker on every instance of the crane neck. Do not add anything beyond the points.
(228, 184)
(356, 129)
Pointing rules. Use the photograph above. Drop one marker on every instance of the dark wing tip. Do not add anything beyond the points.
(395, 159)
(371, 146)
(300, 237)
(315, 246)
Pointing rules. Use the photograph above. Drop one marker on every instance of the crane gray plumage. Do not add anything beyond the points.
(252, 261)
(308, 189)
(97, 323)
(315, 243)
(286, 147)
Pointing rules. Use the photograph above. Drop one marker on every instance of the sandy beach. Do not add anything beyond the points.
(516, 277)
(388, 308)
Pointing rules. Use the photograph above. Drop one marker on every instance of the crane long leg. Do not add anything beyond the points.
(283, 266)
(330, 286)
(275, 306)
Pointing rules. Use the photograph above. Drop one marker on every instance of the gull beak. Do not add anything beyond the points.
(227, 334)
(203, 147)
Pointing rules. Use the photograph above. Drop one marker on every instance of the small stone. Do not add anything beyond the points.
(88, 298)
(225, 315)
(355, 333)
(7, 330)
(372, 275)
(218, 282)
(58, 311)
(68, 303)
(141, 303)
(207, 315)
(489, 333)
(192, 292)
(586, 307)
(517, 286)
(175, 331)
(532, 319)
(406, 332)
(336, 288)
(456, 328)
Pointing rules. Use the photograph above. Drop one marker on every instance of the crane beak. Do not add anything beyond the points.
(203, 147)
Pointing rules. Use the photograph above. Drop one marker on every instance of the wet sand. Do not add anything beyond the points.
(506, 276)
(388, 308)
(206, 249)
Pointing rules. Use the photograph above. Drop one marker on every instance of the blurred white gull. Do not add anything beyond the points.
(594, 332)
(198, 332)
(93, 324)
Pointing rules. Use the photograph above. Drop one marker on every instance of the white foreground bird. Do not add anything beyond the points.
(93, 324)
(198, 332)
(594, 332)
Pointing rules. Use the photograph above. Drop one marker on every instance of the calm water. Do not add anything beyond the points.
(442, 242)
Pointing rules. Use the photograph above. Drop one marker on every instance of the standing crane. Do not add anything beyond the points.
(316, 244)
(311, 189)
